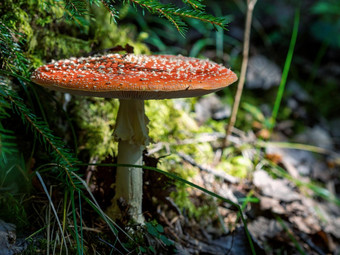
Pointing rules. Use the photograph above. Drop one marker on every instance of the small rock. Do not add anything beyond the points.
(334, 227)
(334, 126)
(275, 188)
(262, 73)
(263, 228)
(234, 244)
(8, 240)
(298, 111)
(321, 172)
(211, 107)
(223, 113)
(267, 203)
(303, 161)
(307, 224)
(297, 92)
(316, 136)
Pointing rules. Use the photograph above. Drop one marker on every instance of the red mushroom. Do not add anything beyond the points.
(133, 79)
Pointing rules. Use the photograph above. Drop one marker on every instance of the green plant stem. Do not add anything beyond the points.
(64, 215)
(285, 70)
(291, 236)
(81, 221)
(297, 146)
(321, 53)
(79, 247)
(53, 209)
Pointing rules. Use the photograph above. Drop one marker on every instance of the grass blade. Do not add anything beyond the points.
(79, 247)
(53, 209)
(286, 69)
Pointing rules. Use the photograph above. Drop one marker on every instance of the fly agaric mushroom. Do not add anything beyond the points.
(133, 79)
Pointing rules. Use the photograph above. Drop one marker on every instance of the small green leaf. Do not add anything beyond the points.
(152, 249)
(142, 249)
(324, 8)
(249, 200)
(165, 240)
(152, 230)
(254, 111)
(160, 228)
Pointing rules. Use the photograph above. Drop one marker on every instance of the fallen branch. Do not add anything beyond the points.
(226, 177)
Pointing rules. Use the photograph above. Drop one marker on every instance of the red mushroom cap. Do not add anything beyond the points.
(134, 76)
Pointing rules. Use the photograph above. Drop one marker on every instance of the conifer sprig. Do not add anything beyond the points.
(176, 15)
(13, 60)
(7, 137)
(77, 8)
(111, 9)
(15, 64)
(11, 57)
(163, 10)
(194, 9)
(199, 15)
(196, 4)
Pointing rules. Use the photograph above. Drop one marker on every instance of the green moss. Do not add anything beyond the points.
(57, 45)
(237, 166)
(172, 123)
(107, 34)
(13, 210)
(177, 130)
(45, 34)
(183, 200)
(96, 119)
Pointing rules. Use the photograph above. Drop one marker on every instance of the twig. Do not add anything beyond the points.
(226, 177)
(250, 8)
(307, 240)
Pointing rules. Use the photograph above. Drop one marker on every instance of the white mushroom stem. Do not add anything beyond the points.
(132, 134)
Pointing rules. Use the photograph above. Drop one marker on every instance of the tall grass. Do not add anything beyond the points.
(285, 69)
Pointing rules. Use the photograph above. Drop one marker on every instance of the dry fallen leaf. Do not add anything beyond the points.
(263, 228)
(275, 188)
(267, 203)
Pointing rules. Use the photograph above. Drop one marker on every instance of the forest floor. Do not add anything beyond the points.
(286, 211)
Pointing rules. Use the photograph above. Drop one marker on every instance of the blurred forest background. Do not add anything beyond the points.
(273, 189)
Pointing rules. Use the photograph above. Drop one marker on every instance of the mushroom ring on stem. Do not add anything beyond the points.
(133, 79)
